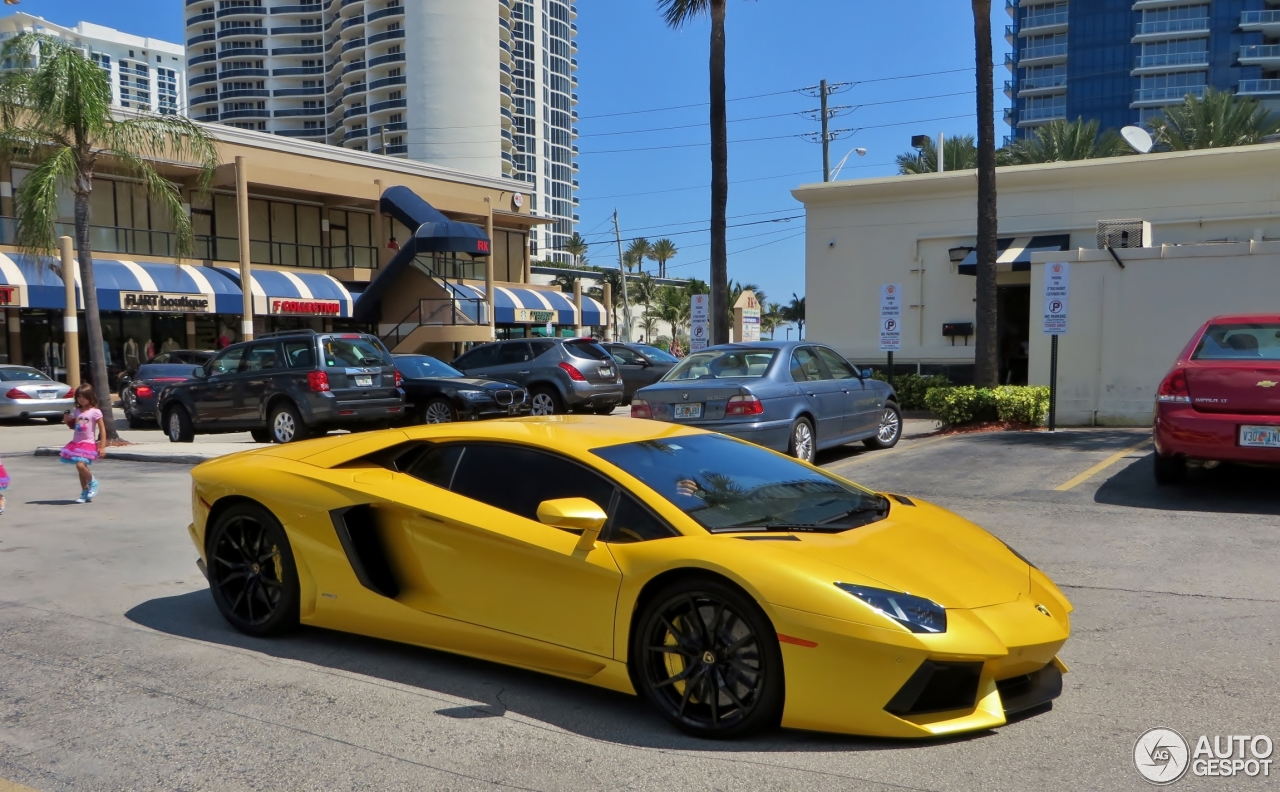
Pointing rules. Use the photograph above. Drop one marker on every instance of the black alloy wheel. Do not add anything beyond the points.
(707, 657)
(252, 574)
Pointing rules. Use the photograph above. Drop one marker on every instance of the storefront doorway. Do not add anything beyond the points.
(1013, 328)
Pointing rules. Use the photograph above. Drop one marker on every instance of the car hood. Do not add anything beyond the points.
(926, 551)
(479, 383)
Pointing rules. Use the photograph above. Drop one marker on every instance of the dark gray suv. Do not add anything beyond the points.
(286, 386)
(561, 374)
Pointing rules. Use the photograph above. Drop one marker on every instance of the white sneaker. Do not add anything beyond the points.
(84, 496)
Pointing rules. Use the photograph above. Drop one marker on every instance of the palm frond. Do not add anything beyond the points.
(163, 193)
(1066, 141)
(165, 137)
(36, 202)
(678, 13)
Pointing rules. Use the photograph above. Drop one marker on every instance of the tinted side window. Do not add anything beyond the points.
(513, 352)
(632, 522)
(432, 464)
(838, 366)
(542, 347)
(163, 357)
(227, 362)
(260, 357)
(300, 354)
(517, 479)
(805, 366)
(587, 350)
(480, 357)
(625, 356)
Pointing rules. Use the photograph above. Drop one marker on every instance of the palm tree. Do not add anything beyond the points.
(576, 246)
(1219, 119)
(643, 290)
(960, 154)
(673, 307)
(636, 253)
(663, 251)
(677, 13)
(612, 277)
(58, 111)
(649, 324)
(771, 319)
(1064, 141)
(986, 347)
(794, 313)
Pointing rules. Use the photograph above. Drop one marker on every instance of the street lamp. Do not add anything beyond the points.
(861, 152)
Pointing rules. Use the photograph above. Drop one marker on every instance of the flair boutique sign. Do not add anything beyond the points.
(162, 302)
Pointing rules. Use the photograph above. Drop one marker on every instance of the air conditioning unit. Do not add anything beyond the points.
(1121, 234)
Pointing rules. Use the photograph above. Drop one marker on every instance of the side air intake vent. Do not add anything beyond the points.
(357, 529)
(937, 687)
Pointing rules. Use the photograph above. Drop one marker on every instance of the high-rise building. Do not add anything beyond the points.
(485, 86)
(1122, 61)
(145, 73)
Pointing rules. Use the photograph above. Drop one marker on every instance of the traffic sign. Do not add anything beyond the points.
(1057, 289)
(699, 313)
(891, 317)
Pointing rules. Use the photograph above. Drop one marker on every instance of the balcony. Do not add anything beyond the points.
(298, 30)
(1257, 87)
(387, 81)
(395, 57)
(198, 59)
(314, 49)
(249, 10)
(1043, 55)
(241, 51)
(1267, 22)
(227, 74)
(200, 99)
(230, 114)
(382, 13)
(1041, 86)
(1040, 24)
(202, 38)
(297, 71)
(201, 79)
(390, 104)
(317, 90)
(310, 8)
(1266, 55)
(1157, 97)
(1170, 62)
(301, 111)
(246, 93)
(252, 31)
(207, 16)
(1169, 28)
(1034, 116)
(386, 35)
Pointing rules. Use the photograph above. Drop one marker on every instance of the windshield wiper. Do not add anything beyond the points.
(883, 507)
(821, 526)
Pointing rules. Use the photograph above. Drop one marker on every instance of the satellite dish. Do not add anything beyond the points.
(1138, 138)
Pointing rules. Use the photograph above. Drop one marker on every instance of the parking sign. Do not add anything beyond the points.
(1057, 288)
(891, 317)
(698, 316)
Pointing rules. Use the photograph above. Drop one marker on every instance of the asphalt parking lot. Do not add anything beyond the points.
(118, 673)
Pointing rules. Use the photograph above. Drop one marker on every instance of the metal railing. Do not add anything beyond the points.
(1259, 17)
(1172, 26)
(1045, 51)
(1043, 20)
(438, 312)
(1042, 113)
(1170, 94)
(1254, 51)
(1259, 86)
(1171, 59)
(1037, 83)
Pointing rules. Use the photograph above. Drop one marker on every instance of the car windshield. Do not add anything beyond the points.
(729, 485)
(1259, 341)
(723, 364)
(165, 371)
(587, 350)
(22, 375)
(354, 350)
(424, 366)
(657, 355)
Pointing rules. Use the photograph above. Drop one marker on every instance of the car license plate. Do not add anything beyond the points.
(606, 371)
(688, 411)
(1260, 436)
(364, 382)
(48, 394)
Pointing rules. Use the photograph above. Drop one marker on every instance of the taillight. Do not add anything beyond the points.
(744, 405)
(573, 373)
(1174, 388)
(318, 381)
(142, 392)
(70, 394)
(640, 409)
(399, 378)
(17, 394)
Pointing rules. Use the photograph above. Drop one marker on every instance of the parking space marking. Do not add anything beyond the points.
(866, 455)
(9, 786)
(1098, 468)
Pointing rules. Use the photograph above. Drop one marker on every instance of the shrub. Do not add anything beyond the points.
(1015, 404)
(1026, 404)
(911, 388)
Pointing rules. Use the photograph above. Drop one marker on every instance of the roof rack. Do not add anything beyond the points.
(278, 333)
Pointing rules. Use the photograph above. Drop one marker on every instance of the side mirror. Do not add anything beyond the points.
(644, 361)
(198, 372)
(865, 373)
(574, 514)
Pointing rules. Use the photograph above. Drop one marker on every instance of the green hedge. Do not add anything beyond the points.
(1015, 404)
(911, 388)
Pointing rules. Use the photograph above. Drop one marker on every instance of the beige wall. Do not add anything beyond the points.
(861, 234)
(1126, 326)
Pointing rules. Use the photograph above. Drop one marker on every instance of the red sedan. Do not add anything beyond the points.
(1221, 400)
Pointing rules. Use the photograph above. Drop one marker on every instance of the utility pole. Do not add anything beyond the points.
(942, 156)
(826, 137)
(622, 270)
(382, 131)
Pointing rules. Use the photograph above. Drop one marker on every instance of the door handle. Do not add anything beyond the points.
(524, 372)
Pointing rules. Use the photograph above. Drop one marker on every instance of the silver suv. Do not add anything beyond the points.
(561, 374)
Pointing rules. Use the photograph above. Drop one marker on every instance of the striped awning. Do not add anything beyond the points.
(527, 306)
(1013, 254)
(282, 293)
(123, 285)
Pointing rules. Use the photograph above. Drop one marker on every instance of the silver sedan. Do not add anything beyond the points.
(29, 393)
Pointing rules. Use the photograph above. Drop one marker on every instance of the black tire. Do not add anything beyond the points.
(260, 435)
(719, 679)
(803, 443)
(53, 419)
(545, 401)
(252, 574)
(177, 424)
(438, 410)
(285, 425)
(1170, 470)
(889, 432)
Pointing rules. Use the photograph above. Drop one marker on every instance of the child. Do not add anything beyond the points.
(82, 450)
(4, 485)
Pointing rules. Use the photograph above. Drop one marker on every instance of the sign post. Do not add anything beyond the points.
(1057, 291)
(699, 315)
(746, 318)
(890, 321)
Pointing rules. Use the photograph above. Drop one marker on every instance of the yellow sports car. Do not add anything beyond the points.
(733, 587)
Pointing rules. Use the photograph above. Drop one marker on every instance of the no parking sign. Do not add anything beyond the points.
(891, 317)
(1057, 287)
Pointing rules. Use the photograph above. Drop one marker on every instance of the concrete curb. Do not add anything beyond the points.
(125, 455)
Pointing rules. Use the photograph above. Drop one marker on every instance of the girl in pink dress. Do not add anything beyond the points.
(85, 420)
(4, 485)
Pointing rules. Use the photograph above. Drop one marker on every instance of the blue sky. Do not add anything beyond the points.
(630, 61)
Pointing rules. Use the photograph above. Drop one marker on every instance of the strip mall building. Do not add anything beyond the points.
(1213, 247)
(429, 258)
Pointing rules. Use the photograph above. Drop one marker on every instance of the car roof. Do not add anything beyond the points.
(765, 345)
(1244, 318)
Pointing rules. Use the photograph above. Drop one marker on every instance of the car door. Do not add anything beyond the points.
(261, 362)
(487, 560)
(861, 404)
(825, 395)
(633, 366)
(514, 362)
(212, 398)
(478, 361)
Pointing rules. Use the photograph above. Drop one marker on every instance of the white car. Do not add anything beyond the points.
(29, 393)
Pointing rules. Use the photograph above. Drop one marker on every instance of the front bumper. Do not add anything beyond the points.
(34, 408)
(486, 410)
(1180, 430)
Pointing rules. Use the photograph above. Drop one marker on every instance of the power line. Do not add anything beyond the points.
(735, 252)
(698, 222)
(738, 181)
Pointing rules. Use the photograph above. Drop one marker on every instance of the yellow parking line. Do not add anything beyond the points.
(9, 786)
(874, 455)
(1098, 468)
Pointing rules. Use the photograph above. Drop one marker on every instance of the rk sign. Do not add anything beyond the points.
(1057, 287)
(891, 317)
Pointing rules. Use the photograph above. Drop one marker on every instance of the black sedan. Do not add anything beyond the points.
(138, 395)
(188, 357)
(640, 365)
(436, 392)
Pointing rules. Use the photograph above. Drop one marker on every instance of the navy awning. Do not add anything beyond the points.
(1013, 254)
(39, 286)
(280, 292)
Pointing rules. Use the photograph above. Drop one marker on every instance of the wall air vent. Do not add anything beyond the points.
(1121, 234)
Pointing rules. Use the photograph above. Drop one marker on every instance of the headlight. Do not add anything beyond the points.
(917, 614)
(473, 395)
